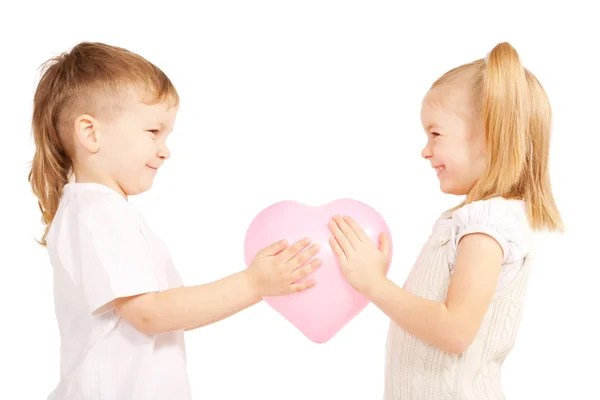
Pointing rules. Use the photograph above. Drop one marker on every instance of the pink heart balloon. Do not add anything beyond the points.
(322, 311)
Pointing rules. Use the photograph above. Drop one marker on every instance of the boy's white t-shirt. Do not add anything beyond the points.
(101, 248)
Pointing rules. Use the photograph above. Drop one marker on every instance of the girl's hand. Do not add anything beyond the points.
(362, 263)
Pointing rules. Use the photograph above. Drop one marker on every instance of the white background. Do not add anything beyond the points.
(310, 101)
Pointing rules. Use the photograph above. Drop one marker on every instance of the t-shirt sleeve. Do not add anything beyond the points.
(498, 218)
(115, 257)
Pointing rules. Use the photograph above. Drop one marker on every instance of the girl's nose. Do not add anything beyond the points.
(426, 153)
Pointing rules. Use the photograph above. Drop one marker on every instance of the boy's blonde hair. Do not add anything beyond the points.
(517, 120)
(92, 78)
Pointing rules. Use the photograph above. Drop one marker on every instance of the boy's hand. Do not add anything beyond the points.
(276, 269)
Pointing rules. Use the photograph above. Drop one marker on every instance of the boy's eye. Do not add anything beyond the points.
(435, 134)
(153, 131)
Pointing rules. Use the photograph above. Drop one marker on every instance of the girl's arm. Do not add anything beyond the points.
(275, 271)
(450, 325)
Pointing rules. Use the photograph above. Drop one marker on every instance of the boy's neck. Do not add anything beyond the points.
(86, 175)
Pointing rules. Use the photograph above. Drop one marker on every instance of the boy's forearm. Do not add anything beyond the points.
(428, 320)
(196, 306)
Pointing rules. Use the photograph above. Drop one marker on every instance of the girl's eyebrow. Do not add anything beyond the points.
(433, 125)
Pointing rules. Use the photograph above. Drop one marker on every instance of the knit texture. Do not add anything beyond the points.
(416, 370)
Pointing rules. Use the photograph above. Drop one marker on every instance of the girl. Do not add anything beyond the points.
(456, 318)
(100, 122)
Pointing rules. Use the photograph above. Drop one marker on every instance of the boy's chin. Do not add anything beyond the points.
(139, 188)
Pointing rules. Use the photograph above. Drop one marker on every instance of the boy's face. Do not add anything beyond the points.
(126, 152)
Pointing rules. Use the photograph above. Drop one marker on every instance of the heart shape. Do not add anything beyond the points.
(322, 311)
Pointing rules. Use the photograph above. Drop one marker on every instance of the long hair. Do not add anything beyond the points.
(75, 82)
(517, 121)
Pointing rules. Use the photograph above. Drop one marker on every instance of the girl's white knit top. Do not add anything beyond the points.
(418, 371)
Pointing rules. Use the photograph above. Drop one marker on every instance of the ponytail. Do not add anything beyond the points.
(505, 115)
(536, 182)
(517, 124)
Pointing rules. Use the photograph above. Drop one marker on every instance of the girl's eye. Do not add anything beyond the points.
(153, 131)
(434, 134)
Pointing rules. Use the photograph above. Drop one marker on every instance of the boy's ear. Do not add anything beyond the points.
(86, 132)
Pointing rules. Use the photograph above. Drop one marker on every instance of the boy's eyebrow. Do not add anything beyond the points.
(156, 123)
(162, 126)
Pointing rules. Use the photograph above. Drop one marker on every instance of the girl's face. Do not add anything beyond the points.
(455, 139)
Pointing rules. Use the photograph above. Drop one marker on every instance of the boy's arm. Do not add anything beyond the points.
(188, 307)
(275, 270)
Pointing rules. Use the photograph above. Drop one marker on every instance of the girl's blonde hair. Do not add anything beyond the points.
(517, 120)
(91, 78)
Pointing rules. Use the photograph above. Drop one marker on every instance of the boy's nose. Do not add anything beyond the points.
(164, 153)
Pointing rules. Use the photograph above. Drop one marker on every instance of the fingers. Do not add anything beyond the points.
(302, 286)
(289, 253)
(273, 249)
(346, 230)
(337, 250)
(306, 270)
(302, 273)
(340, 238)
(356, 228)
(281, 266)
(301, 258)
